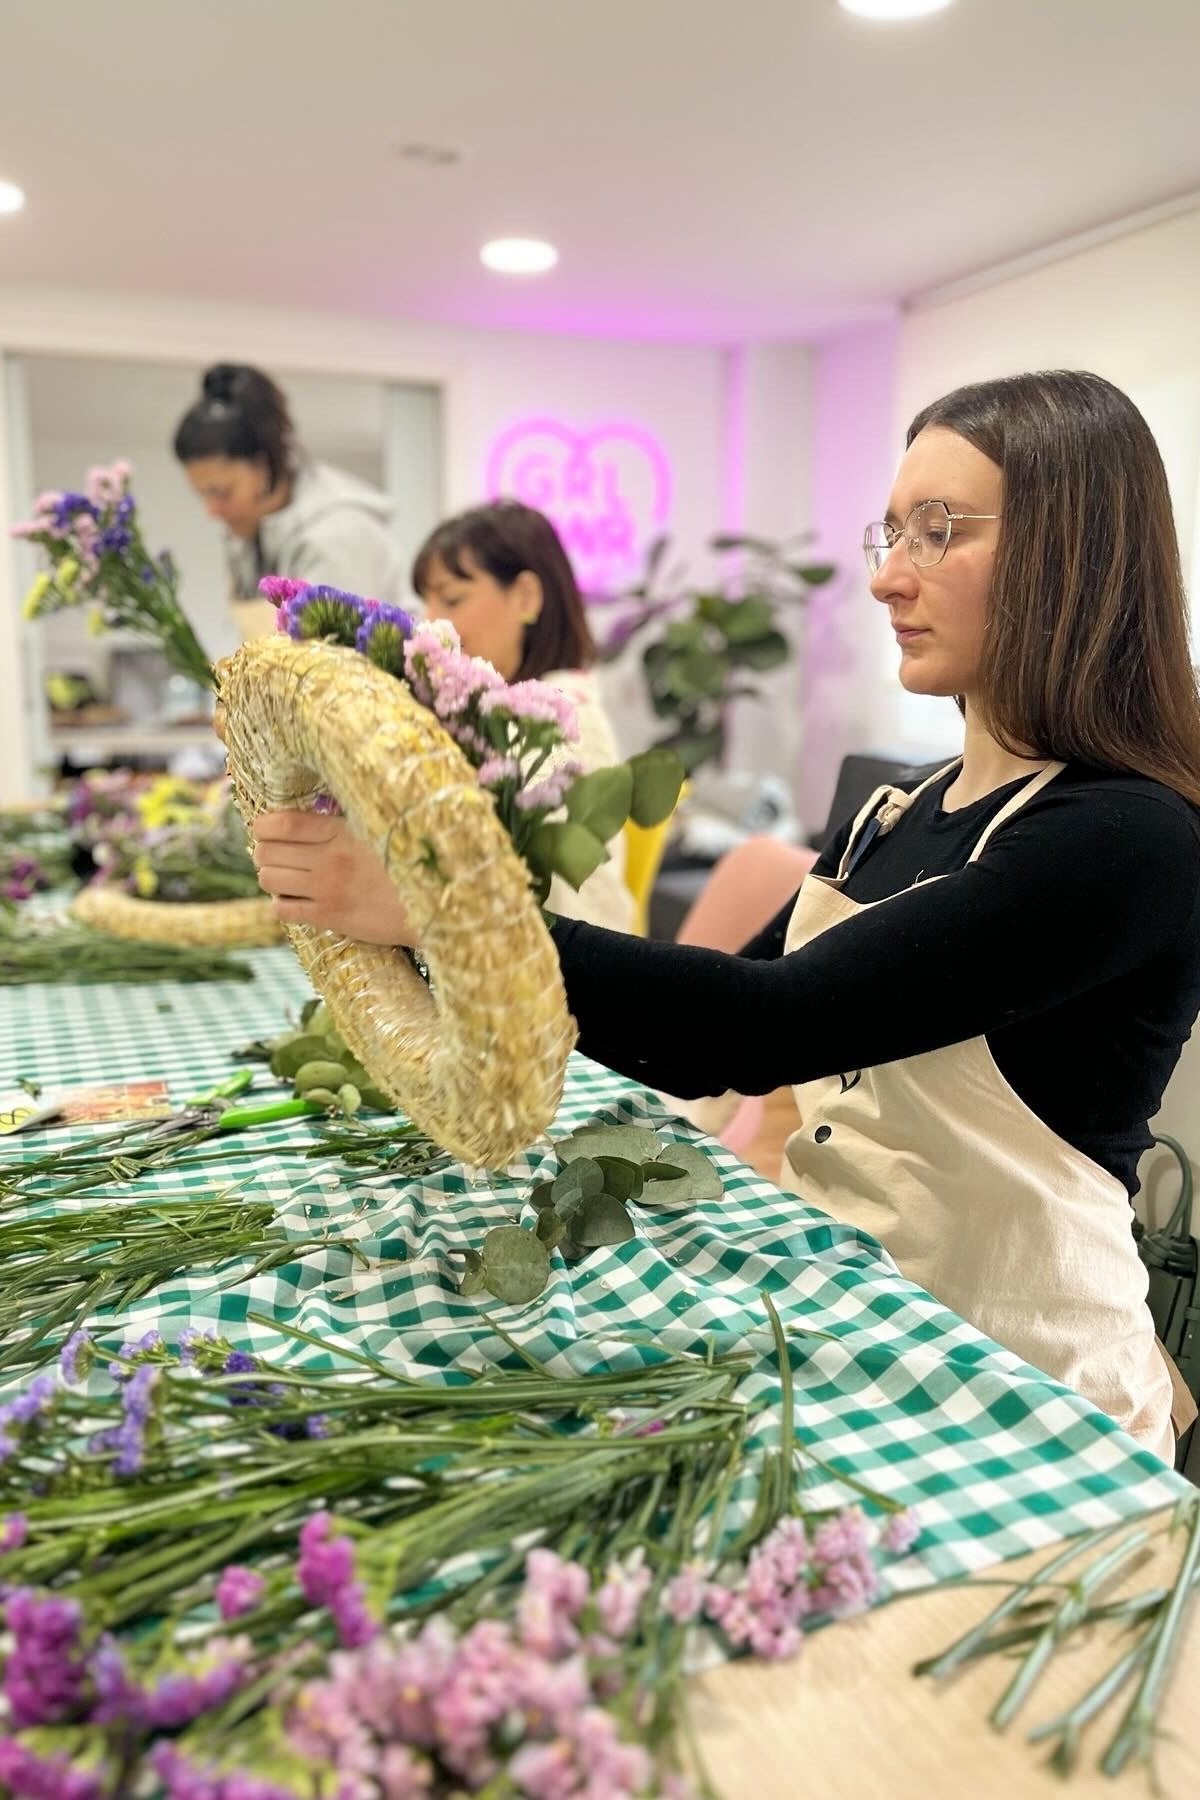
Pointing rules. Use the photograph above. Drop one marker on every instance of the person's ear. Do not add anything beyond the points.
(529, 595)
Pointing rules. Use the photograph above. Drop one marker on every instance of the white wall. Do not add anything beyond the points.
(489, 380)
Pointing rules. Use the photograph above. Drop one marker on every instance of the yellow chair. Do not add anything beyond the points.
(644, 846)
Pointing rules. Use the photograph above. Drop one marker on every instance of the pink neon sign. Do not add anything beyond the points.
(607, 489)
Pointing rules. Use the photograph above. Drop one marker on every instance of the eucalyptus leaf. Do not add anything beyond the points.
(319, 1074)
(472, 1279)
(622, 1178)
(291, 1053)
(551, 1228)
(705, 1176)
(666, 1185)
(602, 1220)
(634, 1143)
(516, 1264)
(601, 800)
(578, 1181)
(567, 849)
(541, 1196)
(657, 778)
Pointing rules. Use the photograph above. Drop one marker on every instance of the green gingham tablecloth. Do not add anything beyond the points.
(996, 1458)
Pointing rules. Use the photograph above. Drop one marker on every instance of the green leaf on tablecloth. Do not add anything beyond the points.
(516, 1264)
(706, 1178)
(622, 1178)
(633, 1143)
(666, 1184)
(601, 1220)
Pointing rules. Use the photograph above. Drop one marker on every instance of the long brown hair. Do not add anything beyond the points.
(503, 540)
(1086, 655)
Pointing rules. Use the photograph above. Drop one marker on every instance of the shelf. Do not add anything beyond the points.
(102, 741)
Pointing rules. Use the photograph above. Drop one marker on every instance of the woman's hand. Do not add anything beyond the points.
(320, 874)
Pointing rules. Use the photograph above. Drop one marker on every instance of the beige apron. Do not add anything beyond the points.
(976, 1198)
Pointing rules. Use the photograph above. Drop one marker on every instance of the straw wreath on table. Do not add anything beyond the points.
(465, 786)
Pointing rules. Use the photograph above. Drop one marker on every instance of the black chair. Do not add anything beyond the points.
(857, 780)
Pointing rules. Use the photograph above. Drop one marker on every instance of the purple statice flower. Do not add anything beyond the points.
(317, 1426)
(900, 1533)
(177, 1699)
(279, 588)
(69, 505)
(75, 1358)
(548, 794)
(46, 1671)
(190, 1342)
(239, 1591)
(27, 1776)
(13, 1533)
(325, 1571)
(325, 613)
(149, 1342)
(184, 1780)
(554, 1595)
(619, 1597)
(536, 701)
(125, 509)
(382, 636)
(128, 1439)
(240, 1362)
(114, 540)
(26, 1409)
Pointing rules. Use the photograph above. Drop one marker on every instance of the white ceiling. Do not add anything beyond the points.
(708, 170)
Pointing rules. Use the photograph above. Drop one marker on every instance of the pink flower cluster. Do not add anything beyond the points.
(405, 1712)
(792, 1575)
(326, 1575)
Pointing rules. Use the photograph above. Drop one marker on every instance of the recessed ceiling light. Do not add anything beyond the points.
(518, 256)
(11, 197)
(893, 9)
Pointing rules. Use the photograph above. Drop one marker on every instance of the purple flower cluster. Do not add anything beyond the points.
(326, 1575)
(75, 1358)
(185, 1780)
(86, 525)
(128, 1439)
(28, 1776)
(382, 637)
(239, 1591)
(28, 1409)
(45, 1676)
(13, 1533)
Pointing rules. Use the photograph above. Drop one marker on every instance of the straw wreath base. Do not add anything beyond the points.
(210, 924)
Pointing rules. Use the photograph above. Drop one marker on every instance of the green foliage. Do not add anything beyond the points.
(708, 641)
(602, 1168)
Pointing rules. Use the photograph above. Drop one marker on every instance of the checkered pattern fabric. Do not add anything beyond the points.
(890, 1386)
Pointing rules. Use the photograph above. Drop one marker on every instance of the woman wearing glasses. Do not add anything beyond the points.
(981, 990)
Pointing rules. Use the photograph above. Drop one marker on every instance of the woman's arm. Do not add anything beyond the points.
(1076, 891)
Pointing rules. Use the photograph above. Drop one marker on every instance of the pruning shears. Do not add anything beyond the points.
(208, 1111)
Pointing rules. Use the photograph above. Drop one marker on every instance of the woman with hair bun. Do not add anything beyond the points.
(284, 513)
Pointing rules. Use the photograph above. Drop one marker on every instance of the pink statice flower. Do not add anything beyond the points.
(548, 794)
(619, 1597)
(326, 1572)
(278, 588)
(534, 701)
(548, 1609)
(900, 1533)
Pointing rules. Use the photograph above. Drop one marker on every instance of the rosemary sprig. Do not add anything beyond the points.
(57, 952)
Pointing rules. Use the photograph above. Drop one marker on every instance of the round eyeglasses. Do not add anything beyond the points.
(926, 533)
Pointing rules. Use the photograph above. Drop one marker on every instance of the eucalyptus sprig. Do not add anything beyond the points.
(603, 1168)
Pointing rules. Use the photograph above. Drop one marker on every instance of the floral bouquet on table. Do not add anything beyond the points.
(98, 558)
(183, 843)
(517, 735)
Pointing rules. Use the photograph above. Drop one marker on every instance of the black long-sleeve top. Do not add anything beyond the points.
(1072, 945)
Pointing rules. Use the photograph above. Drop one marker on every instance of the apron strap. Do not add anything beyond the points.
(885, 809)
(1035, 786)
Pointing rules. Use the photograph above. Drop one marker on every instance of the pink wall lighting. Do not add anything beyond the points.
(607, 490)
